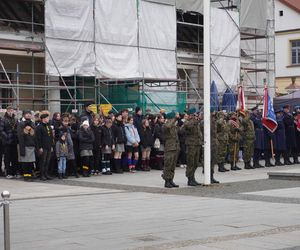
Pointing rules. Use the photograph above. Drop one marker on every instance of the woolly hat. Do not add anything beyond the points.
(85, 123)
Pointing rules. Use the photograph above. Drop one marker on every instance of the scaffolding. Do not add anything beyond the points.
(31, 88)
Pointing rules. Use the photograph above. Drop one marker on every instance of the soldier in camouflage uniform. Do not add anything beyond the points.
(193, 141)
(235, 131)
(171, 150)
(249, 138)
(213, 147)
(222, 135)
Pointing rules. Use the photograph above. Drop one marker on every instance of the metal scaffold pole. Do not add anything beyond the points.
(206, 96)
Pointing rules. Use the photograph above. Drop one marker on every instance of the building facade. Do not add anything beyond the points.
(287, 17)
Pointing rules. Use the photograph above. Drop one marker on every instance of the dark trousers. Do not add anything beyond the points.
(97, 159)
(72, 167)
(44, 162)
(10, 159)
(257, 155)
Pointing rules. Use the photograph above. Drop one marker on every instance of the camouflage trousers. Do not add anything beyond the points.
(233, 148)
(193, 157)
(222, 152)
(170, 161)
(248, 150)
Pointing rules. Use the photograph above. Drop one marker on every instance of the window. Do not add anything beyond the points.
(295, 52)
(281, 13)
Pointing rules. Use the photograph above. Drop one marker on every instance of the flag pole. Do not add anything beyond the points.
(206, 90)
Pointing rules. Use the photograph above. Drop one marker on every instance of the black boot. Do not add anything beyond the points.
(257, 165)
(234, 167)
(213, 180)
(173, 184)
(296, 161)
(248, 165)
(287, 161)
(278, 163)
(197, 183)
(118, 168)
(221, 168)
(59, 176)
(168, 184)
(64, 176)
(191, 182)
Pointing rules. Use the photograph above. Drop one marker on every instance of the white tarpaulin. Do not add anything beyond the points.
(158, 63)
(116, 25)
(190, 5)
(102, 38)
(69, 32)
(157, 37)
(69, 56)
(116, 22)
(225, 48)
(116, 62)
(254, 14)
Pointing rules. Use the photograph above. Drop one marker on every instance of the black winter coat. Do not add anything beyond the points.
(44, 136)
(86, 139)
(87, 116)
(259, 132)
(118, 129)
(280, 140)
(8, 130)
(146, 137)
(137, 122)
(97, 130)
(290, 134)
(158, 133)
(107, 137)
(25, 140)
(57, 125)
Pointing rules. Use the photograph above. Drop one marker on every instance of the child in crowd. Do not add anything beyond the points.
(108, 146)
(86, 142)
(61, 155)
(132, 145)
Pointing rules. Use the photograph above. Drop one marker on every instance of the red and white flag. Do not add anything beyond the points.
(241, 99)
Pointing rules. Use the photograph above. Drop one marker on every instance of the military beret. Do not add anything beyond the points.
(171, 115)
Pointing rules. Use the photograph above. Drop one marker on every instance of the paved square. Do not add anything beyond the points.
(81, 214)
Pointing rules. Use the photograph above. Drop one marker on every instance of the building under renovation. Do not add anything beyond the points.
(58, 54)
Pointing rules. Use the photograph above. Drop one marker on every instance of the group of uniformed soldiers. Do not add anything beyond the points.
(231, 134)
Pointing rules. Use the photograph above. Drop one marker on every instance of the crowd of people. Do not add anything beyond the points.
(36, 146)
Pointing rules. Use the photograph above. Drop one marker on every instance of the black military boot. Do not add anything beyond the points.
(174, 184)
(234, 167)
(278, 163)
(213, 180)
(191, 182)
(248, 165)
(296, 161)
(168, 184)
(287, 161)
(221, 168)
(257, 165)
(196, 182)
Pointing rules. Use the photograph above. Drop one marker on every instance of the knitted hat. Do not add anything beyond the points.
(85, 123)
